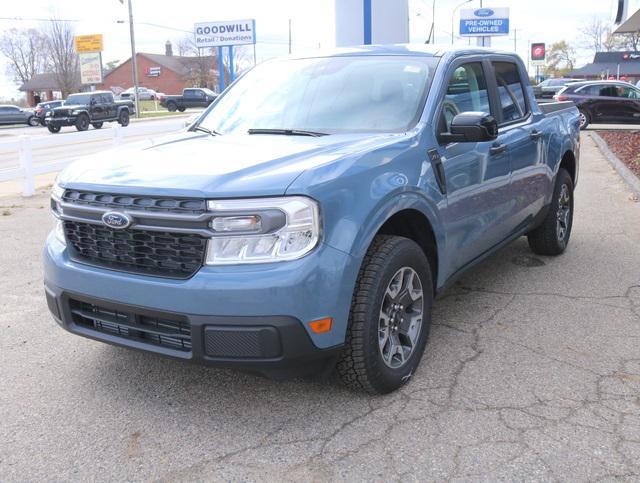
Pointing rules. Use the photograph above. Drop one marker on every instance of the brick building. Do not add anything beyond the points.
(45, 87)
(167, 73)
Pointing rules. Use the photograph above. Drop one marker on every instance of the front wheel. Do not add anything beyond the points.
(123, 118)
(53, 128)
(97, 125)
(389, 318)
(551, 238)
(182, 109)
(584, 118)
(33, 121)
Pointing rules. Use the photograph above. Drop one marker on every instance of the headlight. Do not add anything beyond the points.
(56, 197)
(59, 232)
(262, 230)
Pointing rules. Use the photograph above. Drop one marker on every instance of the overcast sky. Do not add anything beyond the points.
(312, 22)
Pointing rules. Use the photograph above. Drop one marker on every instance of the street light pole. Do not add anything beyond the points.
(453, 16)
(134, 63)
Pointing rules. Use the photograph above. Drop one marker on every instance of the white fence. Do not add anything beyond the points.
(25, 157)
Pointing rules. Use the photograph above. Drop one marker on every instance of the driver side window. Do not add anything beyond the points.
(466, 91)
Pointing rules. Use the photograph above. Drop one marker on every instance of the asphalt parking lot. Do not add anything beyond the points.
(532, 372)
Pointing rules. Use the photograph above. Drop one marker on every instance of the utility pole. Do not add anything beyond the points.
(515, 40)
(134, 62)
(289, 36)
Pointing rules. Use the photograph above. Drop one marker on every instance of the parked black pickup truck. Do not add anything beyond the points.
(193, 97)
(95, 108)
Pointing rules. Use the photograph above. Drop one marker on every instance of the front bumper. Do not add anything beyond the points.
(248, 317)
(61, 121)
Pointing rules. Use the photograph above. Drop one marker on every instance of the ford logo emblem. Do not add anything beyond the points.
(115, 220)
(483, 12)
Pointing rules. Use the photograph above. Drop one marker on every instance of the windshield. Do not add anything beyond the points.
(78, 99)
(329, 95)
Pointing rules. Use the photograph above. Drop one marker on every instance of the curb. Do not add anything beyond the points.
(625, 173)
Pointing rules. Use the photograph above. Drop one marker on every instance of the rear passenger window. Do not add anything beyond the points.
(466, 91)
(511, 91)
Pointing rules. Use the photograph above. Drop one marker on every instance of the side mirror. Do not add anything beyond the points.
(471, 127)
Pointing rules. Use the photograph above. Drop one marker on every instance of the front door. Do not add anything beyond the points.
(477, 174)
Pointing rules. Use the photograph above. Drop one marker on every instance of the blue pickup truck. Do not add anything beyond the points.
(307, 220)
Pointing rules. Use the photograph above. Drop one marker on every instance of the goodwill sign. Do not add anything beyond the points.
(218, 34)
(484, 21)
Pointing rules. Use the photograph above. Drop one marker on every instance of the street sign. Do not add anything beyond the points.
(484, 22)
(88, 43)
(90, 68)
(219, 34)
(538, 53)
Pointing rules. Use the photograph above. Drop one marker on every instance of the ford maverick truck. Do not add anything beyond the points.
(306, 221)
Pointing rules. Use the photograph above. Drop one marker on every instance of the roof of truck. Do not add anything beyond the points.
(426, 50)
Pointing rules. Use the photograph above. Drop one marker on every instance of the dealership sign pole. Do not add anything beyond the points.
(225, 34)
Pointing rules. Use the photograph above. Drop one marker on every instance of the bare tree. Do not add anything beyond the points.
(25, 49)
(62, 52)
(560, 59)
(630, 41)
(594, 34)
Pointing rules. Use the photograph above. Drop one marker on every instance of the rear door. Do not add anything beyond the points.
(110, 107)
(522, 133)
(476, 174)
(189, 97)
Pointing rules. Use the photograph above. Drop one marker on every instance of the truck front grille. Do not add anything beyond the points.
(141, 203)
(166, 331)
(176, 255)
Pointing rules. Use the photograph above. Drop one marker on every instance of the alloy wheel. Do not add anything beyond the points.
(400, 320)
(564, 212)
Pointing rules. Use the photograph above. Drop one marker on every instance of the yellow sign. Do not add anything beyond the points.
(88, 43)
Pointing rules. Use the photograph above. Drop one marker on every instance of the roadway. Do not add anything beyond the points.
(71, 144)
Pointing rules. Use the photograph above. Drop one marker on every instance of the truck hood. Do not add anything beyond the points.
(201, 165)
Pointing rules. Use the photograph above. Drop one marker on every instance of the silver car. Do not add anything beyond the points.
(14, 115)
(144, 94)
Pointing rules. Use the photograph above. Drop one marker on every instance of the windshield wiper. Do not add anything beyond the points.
(287, 132)
(212, 132)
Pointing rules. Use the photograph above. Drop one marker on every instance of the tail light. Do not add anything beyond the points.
(561, 98)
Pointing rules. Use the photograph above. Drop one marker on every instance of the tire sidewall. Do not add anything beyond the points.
(82, 123)
(33, 121)
(172, 107)
(385, 378)
(123, 119)
(587, 117)
(563, 178)
(53, 129)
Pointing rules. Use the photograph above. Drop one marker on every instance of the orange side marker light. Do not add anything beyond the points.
(321, 326)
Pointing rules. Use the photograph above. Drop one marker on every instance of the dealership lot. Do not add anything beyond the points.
(532, 372)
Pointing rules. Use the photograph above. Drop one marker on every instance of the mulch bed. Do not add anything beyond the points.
(626, 146)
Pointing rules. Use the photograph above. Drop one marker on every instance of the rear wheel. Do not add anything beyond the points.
(552, 237)
(182, 109)
(97, 125)
(172, 106)
(390, 317)
(33, 121)
(82, 123)
(585, 119)
(123, 118)
(53, 128)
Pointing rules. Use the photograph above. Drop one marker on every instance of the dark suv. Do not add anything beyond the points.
(43, 107)
(606, 102)
(550, 87)
(89, 108)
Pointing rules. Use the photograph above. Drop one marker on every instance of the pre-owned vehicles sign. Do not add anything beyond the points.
(218, 34)
(487, 22)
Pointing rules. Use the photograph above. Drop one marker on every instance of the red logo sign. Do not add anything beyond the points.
(538, 51)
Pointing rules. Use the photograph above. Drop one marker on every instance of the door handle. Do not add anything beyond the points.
(498, 149)
(535, 134)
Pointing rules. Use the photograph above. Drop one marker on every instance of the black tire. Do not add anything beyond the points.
(123, 118)
(172, 106)
(585, 119)
(82, 123)
(182, 109)
(361, 365)
(53, 128)
(97, 125)
(33, 121)
(552, 236)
